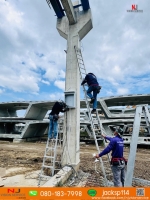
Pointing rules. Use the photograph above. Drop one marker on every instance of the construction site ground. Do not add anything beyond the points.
(23, 162)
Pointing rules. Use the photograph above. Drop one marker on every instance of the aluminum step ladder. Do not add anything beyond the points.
(96, 126)
(51, 160)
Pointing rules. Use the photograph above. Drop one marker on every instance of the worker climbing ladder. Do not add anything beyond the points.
(96, 126)
(51, 161)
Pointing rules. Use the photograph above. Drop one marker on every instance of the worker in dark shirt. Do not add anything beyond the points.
(53, 116)
(117, 161)
(94, 87)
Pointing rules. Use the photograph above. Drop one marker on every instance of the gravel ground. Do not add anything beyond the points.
(29, 157)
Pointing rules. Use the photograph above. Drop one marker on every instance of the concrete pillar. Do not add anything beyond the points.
(73, 33)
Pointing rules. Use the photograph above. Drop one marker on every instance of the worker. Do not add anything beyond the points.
(94, 87)
(54, 116)
(116, 145)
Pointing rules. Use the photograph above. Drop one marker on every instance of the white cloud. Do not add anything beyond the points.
(45, 82)
(117, 49)
(60, 84)
(57, 96)
(1, 91)
(122, 91)
(23, 40)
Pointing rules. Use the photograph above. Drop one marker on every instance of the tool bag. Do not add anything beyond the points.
(99, 88)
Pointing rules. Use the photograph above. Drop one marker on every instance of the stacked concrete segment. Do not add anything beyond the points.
(31, 125)
(34, 123)
(116, 115)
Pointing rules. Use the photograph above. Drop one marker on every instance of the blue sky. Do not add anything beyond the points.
(32, 57)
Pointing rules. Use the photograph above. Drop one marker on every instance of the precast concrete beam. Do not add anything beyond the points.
(23, 128)
(125, 100)
(81, 28)
(63, 27)
(84, 23)
(68, 7)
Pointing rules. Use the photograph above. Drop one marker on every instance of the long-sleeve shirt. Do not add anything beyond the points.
(116, 146)
(90, 79)
(56, 109)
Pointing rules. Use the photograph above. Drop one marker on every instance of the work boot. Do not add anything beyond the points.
(93, 111)
(92, 100)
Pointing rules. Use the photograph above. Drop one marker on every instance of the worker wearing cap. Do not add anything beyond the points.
(117, 162)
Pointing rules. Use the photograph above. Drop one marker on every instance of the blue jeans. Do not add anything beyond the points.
(89, 93)
(53, 126)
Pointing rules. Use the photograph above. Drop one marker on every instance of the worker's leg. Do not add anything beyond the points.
(116, 175)
(50, 131)
(123, 175)
(55, 128)
(90, 89)
(95, 98)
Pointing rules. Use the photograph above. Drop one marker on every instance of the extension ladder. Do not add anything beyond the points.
(96, 125)
(51, 159)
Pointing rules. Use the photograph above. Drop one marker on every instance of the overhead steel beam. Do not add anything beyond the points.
(68, 7)
(85, 4)
(57, 8)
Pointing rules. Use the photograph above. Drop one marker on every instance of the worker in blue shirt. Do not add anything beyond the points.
(94, 87)
(117, 161)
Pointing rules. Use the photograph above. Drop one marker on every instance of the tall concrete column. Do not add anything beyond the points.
(73, 28)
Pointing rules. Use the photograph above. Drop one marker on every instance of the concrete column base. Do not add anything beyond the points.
(61, 177)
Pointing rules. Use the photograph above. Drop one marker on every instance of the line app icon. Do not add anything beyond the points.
(33, 193)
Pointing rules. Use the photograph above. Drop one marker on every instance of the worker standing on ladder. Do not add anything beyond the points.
(117, 161)
(53, 116)
(94, 87)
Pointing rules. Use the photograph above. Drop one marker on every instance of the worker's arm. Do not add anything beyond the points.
(106, 137)
(106, 150)
(84, 81)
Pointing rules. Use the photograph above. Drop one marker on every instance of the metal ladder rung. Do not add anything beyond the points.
(81, 63)
(82, 71)
(100, 139)
(80, 58)
(46, 166)
(78, 54)
(48, 156)
(50, 147)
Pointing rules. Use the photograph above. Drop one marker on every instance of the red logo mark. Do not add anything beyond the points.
(13, 191)
(134, 7)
